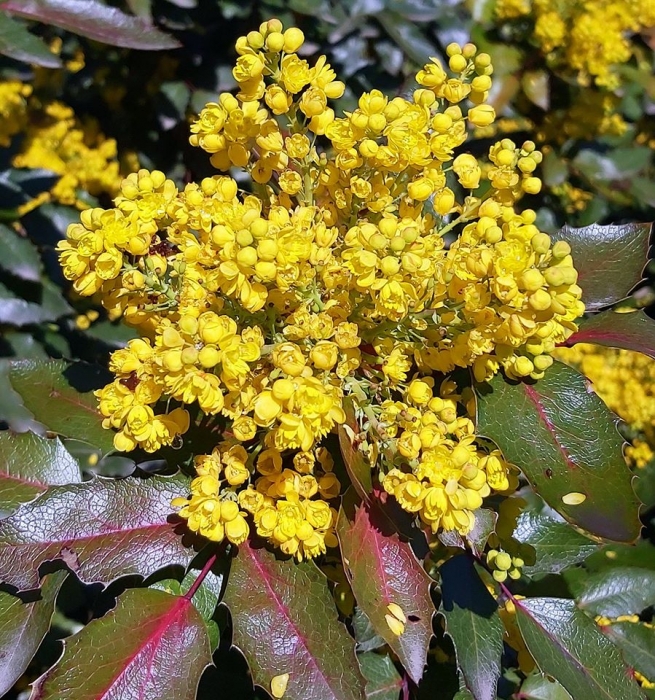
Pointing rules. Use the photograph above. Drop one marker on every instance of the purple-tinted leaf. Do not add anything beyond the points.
(630, 331)
(285, 621)
(152, 646)
(17, 43)
(565, 441)
(29, 464)
(23, 625)
(357, 466)
(610, 260)
(101, 529)
(94, 20)
(383, 569)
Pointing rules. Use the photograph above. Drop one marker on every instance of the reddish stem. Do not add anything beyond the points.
(201, 577)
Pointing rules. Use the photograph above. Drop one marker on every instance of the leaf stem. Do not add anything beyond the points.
(201, 577)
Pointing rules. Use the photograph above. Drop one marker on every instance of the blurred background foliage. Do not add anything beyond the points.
(71, 127)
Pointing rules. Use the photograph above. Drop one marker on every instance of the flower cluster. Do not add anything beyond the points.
(625, 381)
(53, 139)
(372, 256)
(588, 39)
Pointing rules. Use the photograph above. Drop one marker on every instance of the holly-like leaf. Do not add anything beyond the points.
(564, 439)
(614, 591)
(383, 569)
(59, 396)
(101, 529)
(383, 681)
(557, 545)
(17, 43)
(285, 621)
(485, 525)
(23, 625)
(94, 20)
(538, 687)
(19, 256)
(29, 464)
(151, 645)
(474, 625)
(567, 645)
(630, 331)
(610, 260)
(357, 466)
(636, 641)
(15, 311)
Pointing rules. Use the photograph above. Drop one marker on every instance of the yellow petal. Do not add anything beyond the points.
(279, 685)
(574, 498)
(397, 612)
(395, 625)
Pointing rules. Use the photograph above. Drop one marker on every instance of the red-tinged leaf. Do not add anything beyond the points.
(94, 20)
(285, 621)
(59, 395)
(565, 441)
(383, 569)
(629, 331)
(610, 260)
(17, 43)
(567, 645)
(23, 625)
(357, 466)
(151, 646)
(29, 464)
(101, 529)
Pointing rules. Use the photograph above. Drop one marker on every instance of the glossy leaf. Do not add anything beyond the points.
(567, 645)
(59, 396)
(15, 311)
(357, 466)
(19, 256)
(383, 569)
(23, 625)
(614, 591)
(610, 260)
(285, 621)
(101, 529)
(474, 625)
(152, 645)
(382, 679)
(630, 331)
(94, 20)
(485, 525)
(17, 43)
(636, 641)
(538, 687)
(29, 464)
(564, 439)
(557, 545)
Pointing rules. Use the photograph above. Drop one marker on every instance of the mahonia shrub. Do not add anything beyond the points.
(345, 340)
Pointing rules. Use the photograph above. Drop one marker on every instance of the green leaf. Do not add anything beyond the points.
(610, 260)
(567, 645)
(474, 625)
(151, 645)
(539, 687)
(17, 43)
(94, 20)
(101, 529)
(382, 679)
(636, 641)
(58, 395)
(29, 464)
(407, 35)
(615, 591)
(285, 621)
(630, 331)
(357, 466)
(15, 311)
(485, 525)
(23, 625)
(564, 439)
(536, 86)
(557, 545)
(383, 569)
(19, 256)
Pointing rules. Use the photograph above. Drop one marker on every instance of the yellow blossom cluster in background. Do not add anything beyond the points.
(625, 381)
(588, 39)
(50, 137)
(372, 258)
